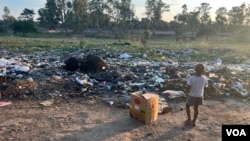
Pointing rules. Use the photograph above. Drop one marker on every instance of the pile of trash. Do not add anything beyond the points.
(111, 77)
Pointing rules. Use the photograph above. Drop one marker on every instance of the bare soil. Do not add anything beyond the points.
(82, 119)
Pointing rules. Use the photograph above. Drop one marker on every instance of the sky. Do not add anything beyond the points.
(16, 6)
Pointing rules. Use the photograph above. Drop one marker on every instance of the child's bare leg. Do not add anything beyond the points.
(196, 112)
(188, 112)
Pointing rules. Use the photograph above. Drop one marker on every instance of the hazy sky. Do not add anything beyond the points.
(17, 6)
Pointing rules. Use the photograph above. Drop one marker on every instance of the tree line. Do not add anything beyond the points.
(119, 17)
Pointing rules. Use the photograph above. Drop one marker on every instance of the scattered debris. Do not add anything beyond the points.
(47, 103)
(2, 103)
(113, 77)
(174, 94)
(125, 56)
(91, 63)
(164, 107)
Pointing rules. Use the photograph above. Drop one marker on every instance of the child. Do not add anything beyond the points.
(196, 86)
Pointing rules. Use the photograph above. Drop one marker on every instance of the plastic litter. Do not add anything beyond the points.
(3, 103)
(21, 68)
(172, 94)
(2, 71)
(218, 61)
(125, 56)
(47, 103)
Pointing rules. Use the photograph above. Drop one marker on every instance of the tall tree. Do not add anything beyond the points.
(145, 23)
(6, 13)
(126, 13)
(97, 9)
(66, 12)
(114, 12)
(27, 14)
(177, 29)
(154, 11)
(8, 20)
(80, 15)
(204, 13)
(121, 14)
(194, 21)
(247, 15)
(183, 17)
(49, 16)
(181, 20)
(221, 18)
(236, 15)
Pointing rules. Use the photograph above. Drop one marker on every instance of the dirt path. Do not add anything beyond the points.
(92, 120)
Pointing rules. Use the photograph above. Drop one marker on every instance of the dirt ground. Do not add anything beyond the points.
(93, 120)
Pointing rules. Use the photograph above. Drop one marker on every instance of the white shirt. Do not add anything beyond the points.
(197, 84)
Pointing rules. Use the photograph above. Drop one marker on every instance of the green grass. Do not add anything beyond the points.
(226, 48)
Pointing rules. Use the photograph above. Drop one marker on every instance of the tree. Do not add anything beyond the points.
(114, 13)
(205, 21)
(49, 15)
(126, 14)
(27, 14)
(247, 15)
(204, 13)
(65, 10)
(236, 15)
(6, 13)
(145, 23)
(80, 15)
(221, 18)
(177, 29)
(194, 21)
(8, 20)
(154, 11)
(2, 28)
(98, 18)
(182, 18)
(180, 22)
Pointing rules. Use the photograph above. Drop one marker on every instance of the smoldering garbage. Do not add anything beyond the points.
(91, 63)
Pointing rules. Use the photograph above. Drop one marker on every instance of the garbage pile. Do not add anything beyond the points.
(111, 77)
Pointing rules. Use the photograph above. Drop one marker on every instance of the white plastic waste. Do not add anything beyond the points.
(81, 82)
(174, 94)
(125, 56)
(2, 71)
(159, 80)
(145, 55)
(21, 68)
(137, 84)
(218, 61)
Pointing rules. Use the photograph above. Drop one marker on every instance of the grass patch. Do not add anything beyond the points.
(226, 48)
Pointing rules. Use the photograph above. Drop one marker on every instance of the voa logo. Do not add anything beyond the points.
(236, 132)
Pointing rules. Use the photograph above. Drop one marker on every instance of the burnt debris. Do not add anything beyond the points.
(89, 64)
(72, 64)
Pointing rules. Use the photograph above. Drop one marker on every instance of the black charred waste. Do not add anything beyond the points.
(89, 64)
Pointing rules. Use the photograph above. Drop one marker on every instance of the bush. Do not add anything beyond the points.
(24, 27)
(147, 34)
(82, 43)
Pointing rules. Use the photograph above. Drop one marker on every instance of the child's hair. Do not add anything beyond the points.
(200, 68)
